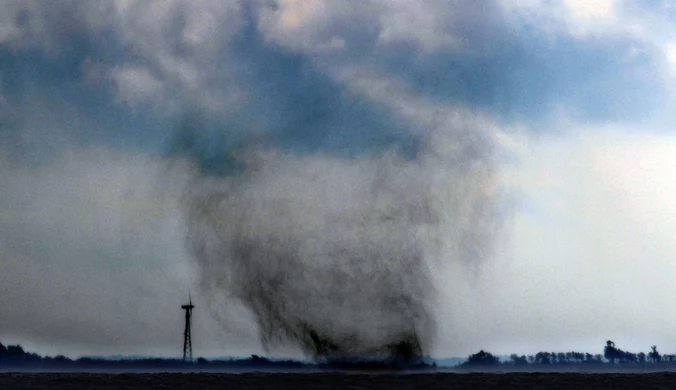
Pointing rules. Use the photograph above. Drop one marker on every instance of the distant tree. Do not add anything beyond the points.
(616, 355)
(579, 357)
(61, 360)
(482, 358)
(543, 358)
(15, 351)
(654, 355)
(641, 357)
(629, 357)
(518, 360)
(610, 352)
(562, 358)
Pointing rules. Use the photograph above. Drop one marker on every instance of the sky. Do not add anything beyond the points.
(103, 102)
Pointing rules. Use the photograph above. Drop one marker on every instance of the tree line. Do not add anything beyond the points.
(611, 355)
(15, 357)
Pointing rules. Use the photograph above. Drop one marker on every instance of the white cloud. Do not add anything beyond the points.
(423, 23)
(179, 43)
(591, 17)
(309, 26)
(294, 13)
(599, 11)
(427, 25)
(171, 44)
(136, 84)
(577, 18)
(670, 54)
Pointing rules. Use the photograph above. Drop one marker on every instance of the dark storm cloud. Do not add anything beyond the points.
(293, 104)
(290, 94)
(515, 69)
(528, 77)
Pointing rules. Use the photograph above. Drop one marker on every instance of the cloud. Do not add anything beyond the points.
(136, 85)
(417, 23)
(222, 57)
(521, 62)
(603, 11)
(579, 19)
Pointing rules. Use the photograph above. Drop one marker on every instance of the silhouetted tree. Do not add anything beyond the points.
(518, 360)
(543, 358)
(654, 355)
(616, 355)
(561, 358)
(579, 357)
(641, 357)
(14, 351)
(482, 358)
(610, 352)
(628, 357)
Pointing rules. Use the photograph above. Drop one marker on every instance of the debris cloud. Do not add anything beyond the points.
(336, 255)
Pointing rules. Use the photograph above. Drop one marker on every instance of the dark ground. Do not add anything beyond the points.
(336, 381)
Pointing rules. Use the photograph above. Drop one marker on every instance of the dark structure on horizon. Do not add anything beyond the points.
(187, 342)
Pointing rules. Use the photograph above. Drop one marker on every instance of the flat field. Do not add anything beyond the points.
(335, 381)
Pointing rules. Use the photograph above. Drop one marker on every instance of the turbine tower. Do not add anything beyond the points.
(187, 343)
